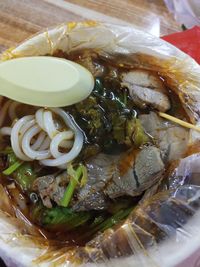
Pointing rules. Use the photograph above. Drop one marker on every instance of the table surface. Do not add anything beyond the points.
(20, 19)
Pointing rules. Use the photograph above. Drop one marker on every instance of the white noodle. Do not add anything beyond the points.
(39, 140)
(46, 143)
(37, 155)
(55, 143)
(39, 118)
(49, 124)
(40, 136)
(77, 146)
(26, 126)
(15, 137)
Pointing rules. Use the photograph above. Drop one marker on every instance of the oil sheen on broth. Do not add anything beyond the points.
(124, 148)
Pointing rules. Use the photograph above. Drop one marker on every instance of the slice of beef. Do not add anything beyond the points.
(51, 187)
(147, 169)
(146, 90)
(106, 181)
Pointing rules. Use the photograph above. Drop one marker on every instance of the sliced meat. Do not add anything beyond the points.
(107, 181)
(148, 163)
(171, 139)
(144, 78)
(144, 97)
(91, 201)
(147, 170)
(101, 170)
(51, 188)
(146, 90)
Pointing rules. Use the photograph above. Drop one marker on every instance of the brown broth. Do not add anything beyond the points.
(72, 238)
(176, 110)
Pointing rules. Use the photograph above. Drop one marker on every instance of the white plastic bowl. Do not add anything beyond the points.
(18, 250)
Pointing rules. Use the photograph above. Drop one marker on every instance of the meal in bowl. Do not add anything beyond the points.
(105, 175)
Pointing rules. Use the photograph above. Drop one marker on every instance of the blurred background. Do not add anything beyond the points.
(21, 18)
(186, 12)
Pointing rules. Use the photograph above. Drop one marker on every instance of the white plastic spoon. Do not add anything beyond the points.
(45, 81)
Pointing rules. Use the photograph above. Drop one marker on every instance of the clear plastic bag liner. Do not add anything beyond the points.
(186, 12)
(163, 228)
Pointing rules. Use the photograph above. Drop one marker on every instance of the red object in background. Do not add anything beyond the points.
(188, 41)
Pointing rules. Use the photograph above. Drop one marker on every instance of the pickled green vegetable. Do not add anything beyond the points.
(59, 216)
(78, 176)
(21, 171)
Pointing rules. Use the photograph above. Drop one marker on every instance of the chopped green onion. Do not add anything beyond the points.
(84, 176)
(74, 181)
(101, 223)
(21, 171)
(139, 136)
(13, 168)
(113, 220)
(59, 217)
(68, 193)
(24, 176)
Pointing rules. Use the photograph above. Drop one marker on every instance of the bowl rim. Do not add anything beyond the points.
(46, 41)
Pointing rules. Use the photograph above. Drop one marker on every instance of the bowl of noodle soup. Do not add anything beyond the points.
(112, 179)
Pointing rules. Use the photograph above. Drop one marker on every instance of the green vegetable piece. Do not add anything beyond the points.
(120, 204)
(59, 216)
(25, 176)
(139, 136)
(13, 161)
(130, 127)
(85, 105)
(12, 168)
(12, 158)
(119, 125)
(74, 181)
(113, 220)
(84, 178)
(99, 219)
(89, 117)
(21, 171)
